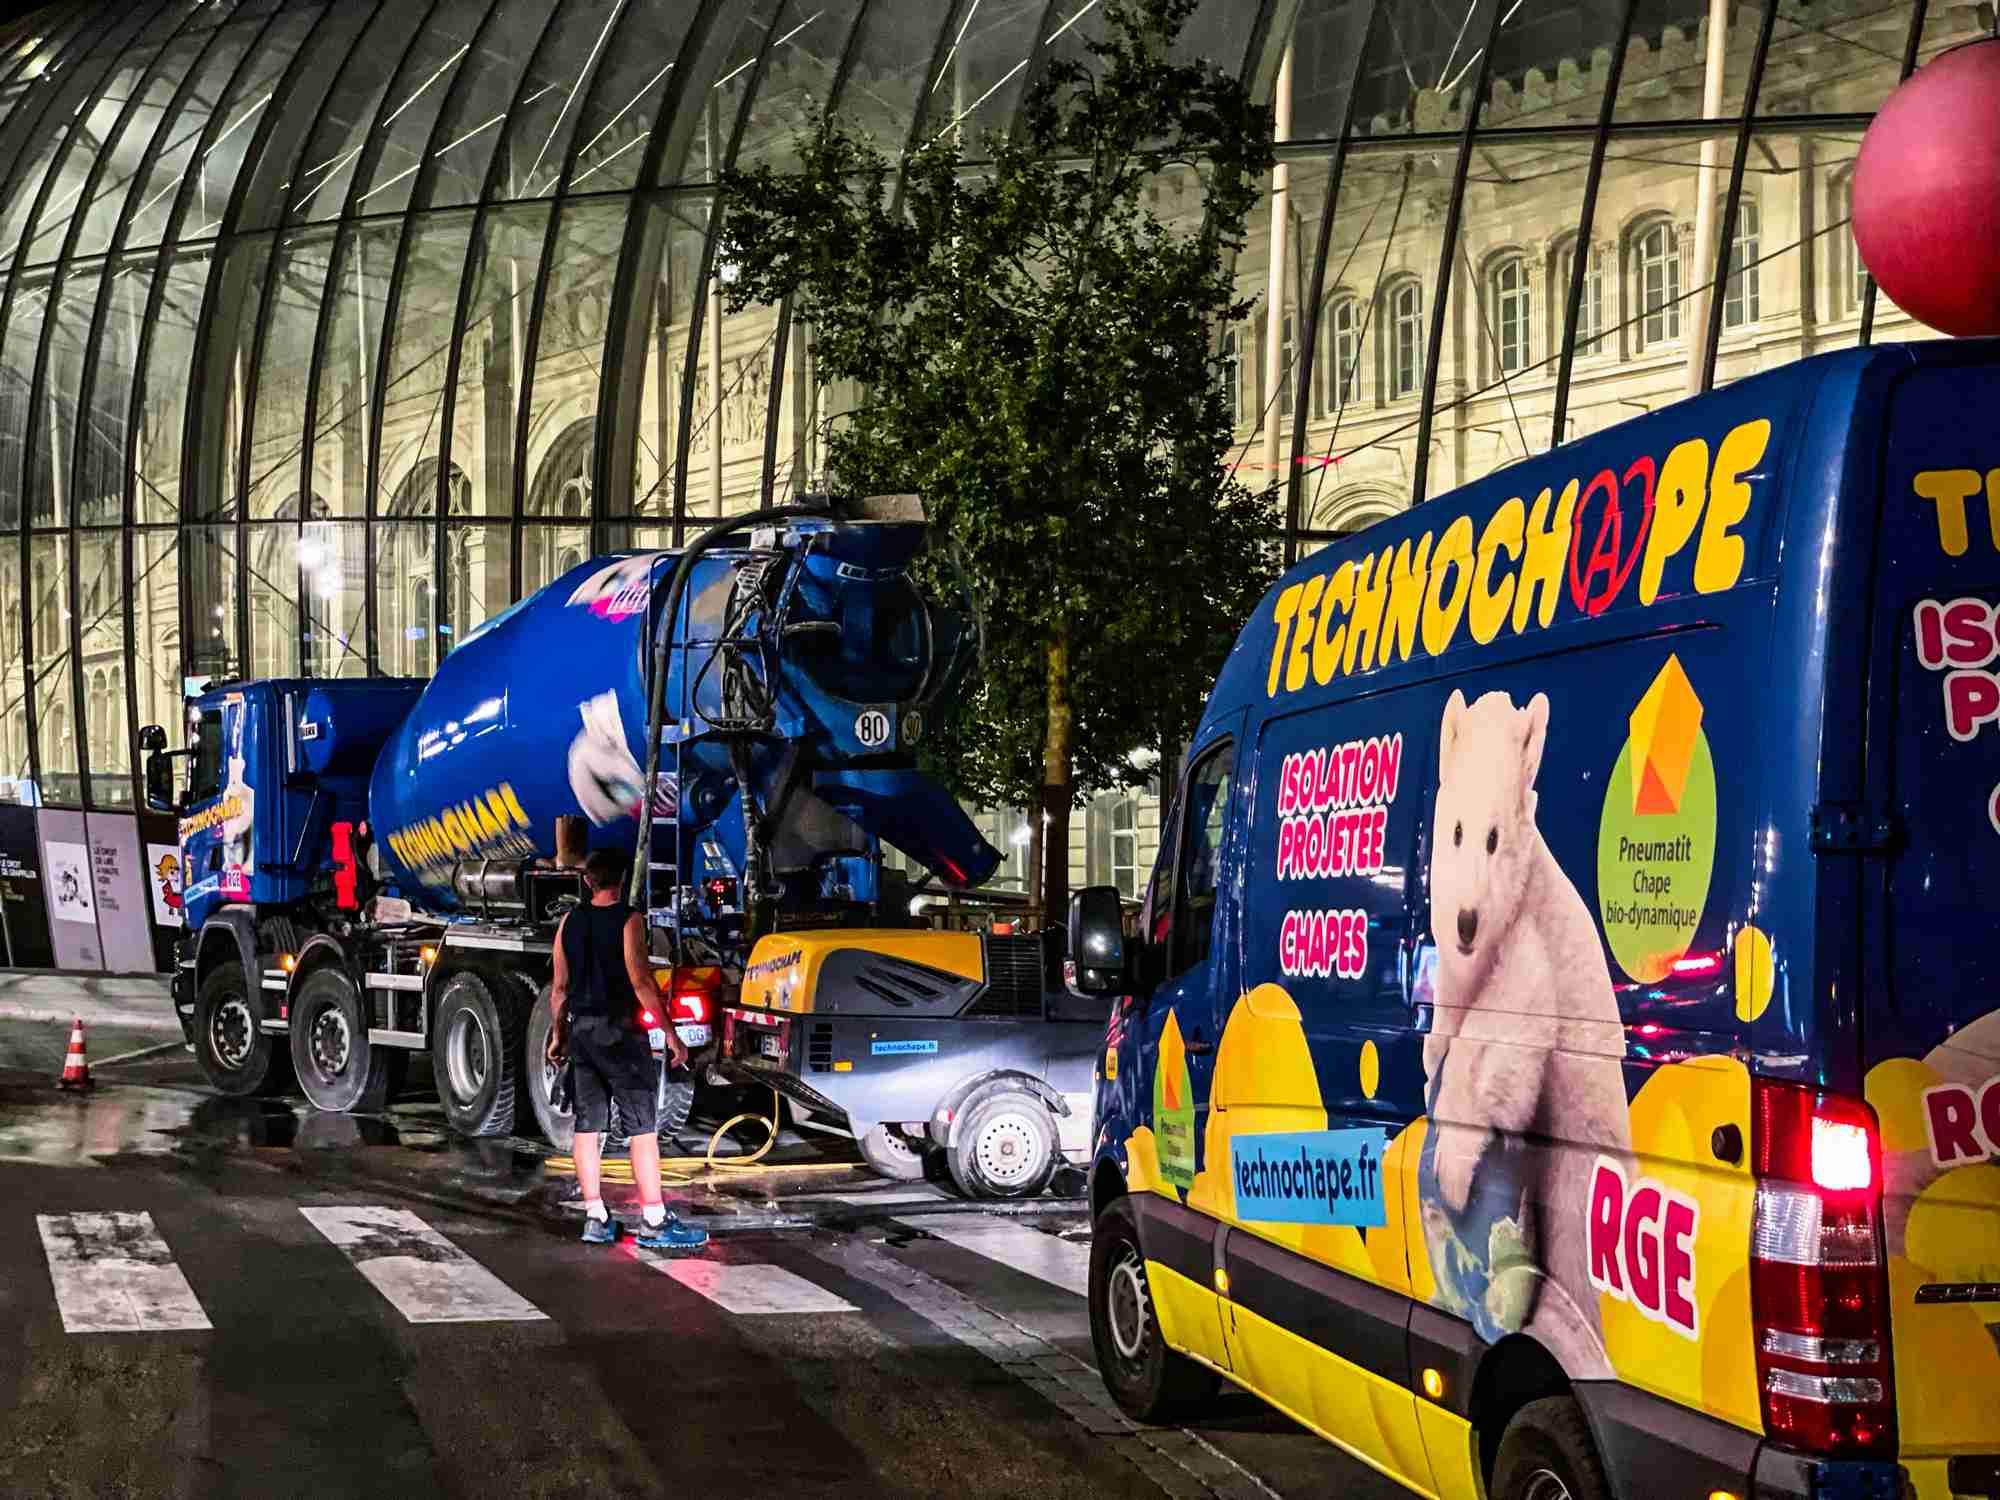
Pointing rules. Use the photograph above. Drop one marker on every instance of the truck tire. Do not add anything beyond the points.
(238, 1059)
(1006, 1148)
(476, 1052)
(558, 1126)
(338, 1067)
(1546, 1454)
(891, 1154)
(1149, 1381)
(676, 1104)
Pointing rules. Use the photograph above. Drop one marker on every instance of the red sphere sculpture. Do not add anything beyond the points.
(1927, 193)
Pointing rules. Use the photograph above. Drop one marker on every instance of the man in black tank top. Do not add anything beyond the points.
(600, 973)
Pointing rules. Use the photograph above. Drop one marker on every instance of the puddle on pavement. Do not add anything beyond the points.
(47, 1128)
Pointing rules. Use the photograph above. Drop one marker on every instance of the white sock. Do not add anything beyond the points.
(656, 1215)
(593, 1208)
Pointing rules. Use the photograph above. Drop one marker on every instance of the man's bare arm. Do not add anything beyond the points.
(558, 990)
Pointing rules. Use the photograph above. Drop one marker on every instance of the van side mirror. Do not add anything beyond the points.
(1097, 940)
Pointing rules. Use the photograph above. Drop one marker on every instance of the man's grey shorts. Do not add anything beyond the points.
(614, 1062)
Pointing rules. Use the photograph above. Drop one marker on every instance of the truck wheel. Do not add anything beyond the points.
(338, 1067)
(1006, 1147)
(889, 1153)
(1546, 1454)
(676, 1104)
(1149, 1381)
(239, 1059)
(476, 1053)
(558, 1126)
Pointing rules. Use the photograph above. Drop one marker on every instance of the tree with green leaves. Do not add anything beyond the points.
(1034, 333)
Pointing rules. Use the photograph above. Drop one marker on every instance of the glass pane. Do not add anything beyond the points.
(409, 110)
(1382, 259)
(213, 475)
(569, 357)
(1667, 67)
(984, 73)
(156, 456)
(1219, 31)
(490, 354)
(414, 371)
(670, 303)
(252, 92)
(14, 766)
(898, 41)
(1654, 196)
(1324, 42)
(208, 574)
(341, 131)
(797, 76)
(101, 603)
(708, 107)
(101, 471)
(474, 114)
(1420, 67)
(1074, 24)
(48, 643)
(539, 130)
(1825, 61)
(620, 109)
(547, 552)
(20, 424)
(52, 445)
(156, 630)
(155, 191)
(274, 582)
(97, 120)
(405, 617)
(333, 581)
(298, 283)
(346, 368)
(477, 578)
(1549, 63)
(1948, 26)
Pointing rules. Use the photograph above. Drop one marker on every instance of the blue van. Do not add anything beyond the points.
(1561, 1054)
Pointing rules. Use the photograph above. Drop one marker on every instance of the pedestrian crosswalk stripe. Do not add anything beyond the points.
(114, 1274)
(752, 1289)
(1061, 1263)
(425, 1276)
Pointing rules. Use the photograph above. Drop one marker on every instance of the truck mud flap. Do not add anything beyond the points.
(794, 1089)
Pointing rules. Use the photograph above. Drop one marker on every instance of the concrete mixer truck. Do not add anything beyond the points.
(371, 865)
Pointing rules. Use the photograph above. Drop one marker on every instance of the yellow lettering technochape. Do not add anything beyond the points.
(1683, 489)
(1299, 661)
(1281, 620)
(1718, 561)
(1407, 581)
(1545, 557)
(1364, 621)
(1326, 648)
(1489, 608)
(1948, 490)
(1452, 561)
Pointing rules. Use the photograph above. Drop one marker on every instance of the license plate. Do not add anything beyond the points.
(771, 1046)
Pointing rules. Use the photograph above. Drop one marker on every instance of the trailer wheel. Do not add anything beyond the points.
(476, 1053)
(1006, 1147)
(238, 1059)
(889, 1153)
(558, 1126)
(338, 1067)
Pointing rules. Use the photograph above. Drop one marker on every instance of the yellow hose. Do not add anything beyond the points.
(673, 1169)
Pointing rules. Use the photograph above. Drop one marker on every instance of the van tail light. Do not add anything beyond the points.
(346, 878)
(1819, 1283)
(693, 994)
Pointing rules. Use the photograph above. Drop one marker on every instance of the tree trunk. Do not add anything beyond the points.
(1056, 779)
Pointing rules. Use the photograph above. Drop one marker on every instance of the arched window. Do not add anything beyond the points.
(1589, 308)
(1340, 335)
(1657, 253)
(1511, 310)
(1739, 296)
(1230, 374)
(1404, 306)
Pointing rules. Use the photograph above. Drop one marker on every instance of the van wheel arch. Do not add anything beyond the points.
(1513, 1373)
(1107, 1186)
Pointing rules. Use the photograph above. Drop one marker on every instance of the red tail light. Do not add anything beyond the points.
(1818, 1279)
(692, 994)
(346, 878)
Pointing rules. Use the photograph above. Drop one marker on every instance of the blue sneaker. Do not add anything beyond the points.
(600, 1231)
(672, 1236)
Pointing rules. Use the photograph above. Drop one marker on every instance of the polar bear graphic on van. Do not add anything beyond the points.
(1524, 1056)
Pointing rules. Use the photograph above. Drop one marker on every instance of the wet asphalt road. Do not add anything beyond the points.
(947, 1351)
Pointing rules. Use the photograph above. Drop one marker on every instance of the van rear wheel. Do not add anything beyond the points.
(1546, 1454)
(1149, 1381)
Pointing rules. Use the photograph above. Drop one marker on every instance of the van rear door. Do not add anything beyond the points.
(1930, 1016)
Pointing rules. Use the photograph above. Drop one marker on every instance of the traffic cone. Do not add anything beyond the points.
(76, 1067)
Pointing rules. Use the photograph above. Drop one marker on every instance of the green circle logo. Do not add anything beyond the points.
(1656, 839)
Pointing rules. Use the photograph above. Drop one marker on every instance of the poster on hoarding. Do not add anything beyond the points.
(70, 883)
(163, 880)
(124, 915)
(68, 890)
(24, 920)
